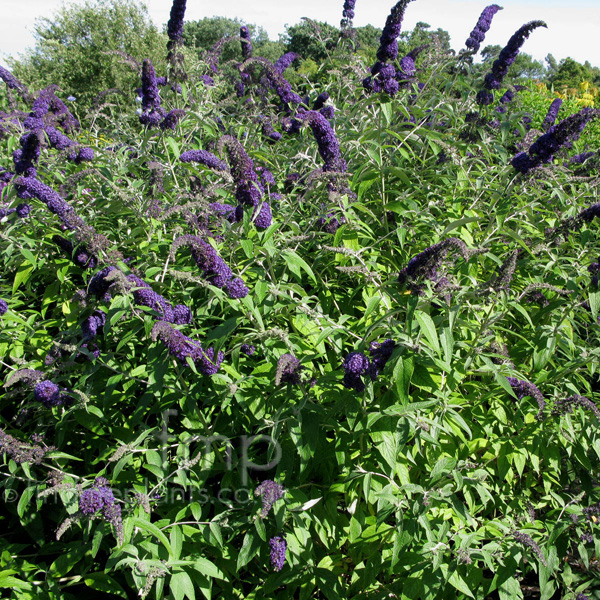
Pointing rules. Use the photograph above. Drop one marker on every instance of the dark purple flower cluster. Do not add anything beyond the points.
(171, 119)
(278, 549)
(284, 61)
(205, 158)
(388, 43)
(356, 365)
(99, 286)
(49, 110)
(288, 370)
(90, 327)
(348, 12)
(22, 452)
(152, 112)
(29, 187)
(523, 388)
(552, 114)
(329, 223)
(579, 159)
(270, 492)
(380, 354)
(482, 27)
(249, 189)
(175, 24)
(144, 295)
(181, 347)
(557, 137)
(80, 255)
(246, 42)
(3, 307)
(99, 500)
(207, 80)
(12, 82)
(329, 147)
(506, 58)
(268, 131)
(50, 394)
(27, 156)
(425, 264)
(246, 349)
(506, 98)
(213, 266)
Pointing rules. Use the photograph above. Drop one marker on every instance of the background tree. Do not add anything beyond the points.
(201, 35)
(75, 48)
(570, 74)
(311, 39)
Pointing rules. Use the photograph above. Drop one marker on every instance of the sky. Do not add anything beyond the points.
(573, 26)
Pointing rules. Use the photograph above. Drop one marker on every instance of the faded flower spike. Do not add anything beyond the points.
(270, 492)
(288, 370)
(482, 27)
(278, 548)
(526, 540)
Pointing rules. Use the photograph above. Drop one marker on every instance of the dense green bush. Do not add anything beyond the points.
(406, 401)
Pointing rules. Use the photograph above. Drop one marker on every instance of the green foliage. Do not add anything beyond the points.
(312, 40)
(203, 34)
(82, 47)
(570, 74)
(438, 481)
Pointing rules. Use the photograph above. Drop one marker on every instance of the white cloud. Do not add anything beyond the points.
(573, 28)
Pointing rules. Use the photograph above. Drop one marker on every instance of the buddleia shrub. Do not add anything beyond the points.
(354, 359)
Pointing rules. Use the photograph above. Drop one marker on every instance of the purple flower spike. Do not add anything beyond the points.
(283, 62)
(278, 549)
(12, 82)
(523, 388)
(355, 366)
(205, 158)
(482, 27)
(348, 12)
(175, 24)
(557, 137)
(388, 43)
(181, 347)
(246, 349)
(270, 492)
(171, 119)
(552, 114)
(506, 58)
(246, 42)
(3, 307)
(29, 187)
(48, 393)
(329, 148)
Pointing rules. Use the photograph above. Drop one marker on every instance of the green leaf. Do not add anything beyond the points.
(181, 585)
(428, 328)
(250, 547)
(297, 265)
(102, 582)
(22, 276)
(154, 530)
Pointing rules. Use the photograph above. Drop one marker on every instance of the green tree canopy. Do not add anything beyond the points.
(203, 34)
(311, 39)
(81, 48)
